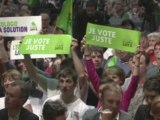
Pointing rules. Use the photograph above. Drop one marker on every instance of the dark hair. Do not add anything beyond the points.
(53, 109)
(152, 84)
(96, 49)
(147, 58)
(24, 87)
(68, 72)
(67, 63)
(92, 3)
(128, 21)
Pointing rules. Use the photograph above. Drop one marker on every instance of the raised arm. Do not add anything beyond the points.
(82, 75)
(129, 93)
(92, 74)
(33, 74)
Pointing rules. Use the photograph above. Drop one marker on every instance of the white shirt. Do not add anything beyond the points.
(75, 110)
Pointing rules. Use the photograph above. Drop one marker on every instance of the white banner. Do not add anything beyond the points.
(20, 26)
(15, 55)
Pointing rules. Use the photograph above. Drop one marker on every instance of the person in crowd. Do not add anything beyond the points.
(16, 95)
(45, 80)
(75, 106)
(138, 95)
(90, 14)
(82, 75)
(151, 89)
(1, 72)
(46, 27)
(153, 69)
(110, 94)
(128, 24)
(118, 77)
(7, 78)
(116, 15)
(97, 58)
(155, 108)
(54, 110)
(152, 38)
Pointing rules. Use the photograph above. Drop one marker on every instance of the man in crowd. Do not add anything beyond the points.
(110, 94)
(54, 110)
(16, 95)
(75, 106)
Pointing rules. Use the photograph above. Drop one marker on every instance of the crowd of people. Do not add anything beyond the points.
(84, 85)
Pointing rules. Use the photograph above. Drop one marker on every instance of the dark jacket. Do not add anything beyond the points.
(24, 115)
(143, 113)
(93, 114)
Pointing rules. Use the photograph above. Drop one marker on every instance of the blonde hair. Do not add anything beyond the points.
(115, 70)
(13, 73)
(110, 85)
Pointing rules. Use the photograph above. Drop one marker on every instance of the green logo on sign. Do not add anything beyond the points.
(59, 45)
(33, 26)
(127, 43)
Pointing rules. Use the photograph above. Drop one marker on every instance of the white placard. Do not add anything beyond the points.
(20, 26)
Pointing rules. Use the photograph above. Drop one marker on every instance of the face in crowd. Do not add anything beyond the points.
(13, 98)
(157, 50)
(143, 64)
(67, 85)
(10, 76)
(111, 97)
(97, 59)
(152, 41)
(91, 10)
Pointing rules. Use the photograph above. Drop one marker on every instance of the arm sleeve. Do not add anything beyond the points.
(129, 93)
(93, 76)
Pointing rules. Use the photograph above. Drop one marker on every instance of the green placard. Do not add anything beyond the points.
(111, 37)
(46, 44)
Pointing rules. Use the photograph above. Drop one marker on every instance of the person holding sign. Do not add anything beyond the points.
(129, 93)
(68, 82)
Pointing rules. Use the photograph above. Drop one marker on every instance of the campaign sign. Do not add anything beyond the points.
(20, 26)
(111, 37)
(15, 54)
(46, 44)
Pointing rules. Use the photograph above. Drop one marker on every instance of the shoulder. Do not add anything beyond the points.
(91, 114)
(3, 114)
(124, 115)
(142, 111)
(82, 105)
(56, 97)
(30, 115)
(4, 110)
